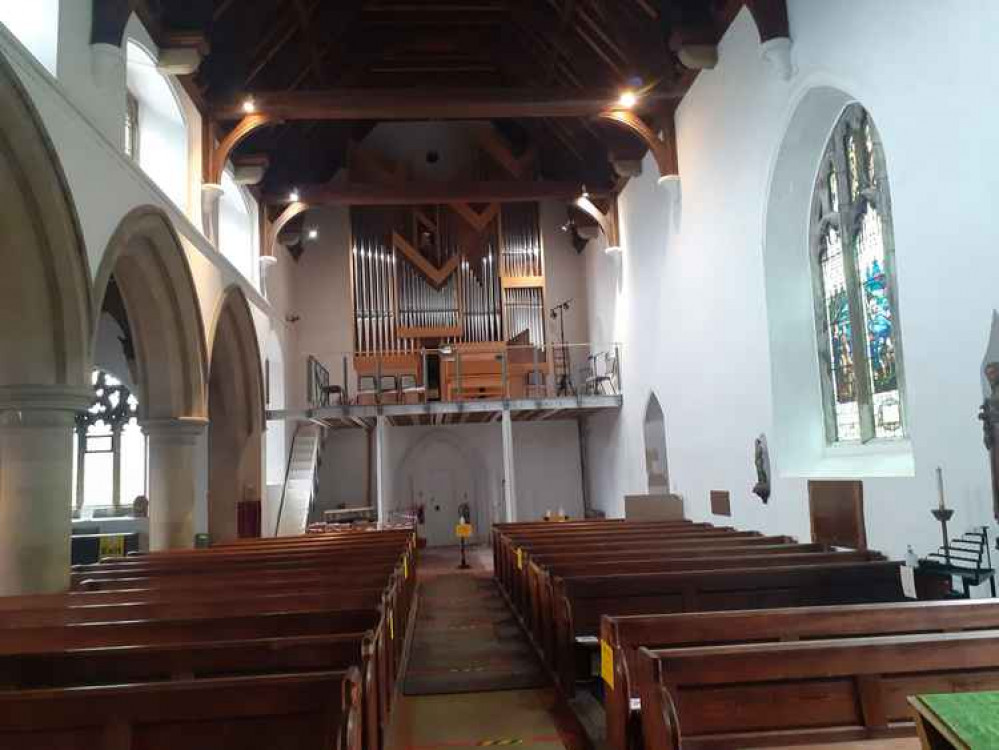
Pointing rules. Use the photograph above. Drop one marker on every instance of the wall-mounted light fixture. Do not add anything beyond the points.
(312, 234)
(293, 196)
(249, 105)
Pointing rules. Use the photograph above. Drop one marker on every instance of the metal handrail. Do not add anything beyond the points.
(284, 485)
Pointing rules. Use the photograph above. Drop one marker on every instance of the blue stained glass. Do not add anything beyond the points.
(877, 307)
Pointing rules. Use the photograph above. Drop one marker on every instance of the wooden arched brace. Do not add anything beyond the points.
(290, 212)
(221, 153)
(607, 221)
(663, 149)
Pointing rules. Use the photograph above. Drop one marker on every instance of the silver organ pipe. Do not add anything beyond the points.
(521, 240)
(479, 300)
(390, 294)
(524, 312)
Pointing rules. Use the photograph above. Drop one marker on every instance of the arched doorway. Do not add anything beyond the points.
(45, 325)
(145, 283)
(236, 417)
(656, 466)
(440, 473)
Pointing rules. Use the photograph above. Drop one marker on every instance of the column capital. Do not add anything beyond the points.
(211, 191)
(182, 430)
(15, 399)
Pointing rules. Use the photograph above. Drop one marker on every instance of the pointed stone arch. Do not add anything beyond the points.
(236, 415)
(45, 349)
(45, 316)
(656, 464)
(150, 268)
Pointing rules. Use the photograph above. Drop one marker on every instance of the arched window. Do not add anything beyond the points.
(36, 26)
(237, 226)
(656, 466)
(111, 449)
(160, 131)
(855, 292)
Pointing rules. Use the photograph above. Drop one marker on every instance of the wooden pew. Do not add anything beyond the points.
(317, 711)
(183, 608)
(517, 559)
(43, 639)
(582, 600)
(507, 537)
(186, 661)
(226, 611)
(542, 595)
(524, 579)
(678, 540)
(840, 690)
(622, 637)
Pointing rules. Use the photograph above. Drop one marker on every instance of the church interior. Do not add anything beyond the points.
(575, 374)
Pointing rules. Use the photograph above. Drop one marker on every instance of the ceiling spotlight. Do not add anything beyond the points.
(249, 106)
(293, 196)
(628, 99)
(312, 234)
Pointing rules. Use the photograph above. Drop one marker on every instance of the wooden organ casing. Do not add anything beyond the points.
(458, 282)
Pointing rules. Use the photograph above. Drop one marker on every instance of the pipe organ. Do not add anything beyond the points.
(429, 276)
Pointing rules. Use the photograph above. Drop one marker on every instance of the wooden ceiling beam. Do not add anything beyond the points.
(274, 43)
(424, 193)
(436, 104)
(305, 26)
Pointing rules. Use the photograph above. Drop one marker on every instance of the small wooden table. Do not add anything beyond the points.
(967, 721)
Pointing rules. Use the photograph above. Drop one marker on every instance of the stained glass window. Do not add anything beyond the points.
(856, 317)
(131, 126)
(111, 448)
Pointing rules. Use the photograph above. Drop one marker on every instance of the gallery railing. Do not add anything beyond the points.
(464, 372)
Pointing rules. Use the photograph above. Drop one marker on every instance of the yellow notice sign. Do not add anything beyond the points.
(463, 530)
(520, 558)
(607, 663)
(405, 566)
(391, 619)
(112, 546)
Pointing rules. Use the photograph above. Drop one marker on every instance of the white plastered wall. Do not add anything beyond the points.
(697, 295)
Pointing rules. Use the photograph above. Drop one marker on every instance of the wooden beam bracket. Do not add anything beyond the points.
(663, 148)
(608, 222)
(221, 153)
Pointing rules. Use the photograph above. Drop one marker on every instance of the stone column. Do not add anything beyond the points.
(509, 473)
(173, 476)
(36, 486)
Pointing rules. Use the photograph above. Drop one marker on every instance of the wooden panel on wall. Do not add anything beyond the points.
(721, 503)
(653, 508)
(836, 509)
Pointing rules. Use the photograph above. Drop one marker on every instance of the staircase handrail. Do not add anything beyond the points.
(284, 486)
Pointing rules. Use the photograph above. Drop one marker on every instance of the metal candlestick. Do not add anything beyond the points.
(943, 515)
(464, 562)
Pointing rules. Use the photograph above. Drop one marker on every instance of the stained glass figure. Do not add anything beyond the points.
(854, 268)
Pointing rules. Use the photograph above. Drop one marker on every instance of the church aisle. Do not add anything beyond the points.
(472, 679)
